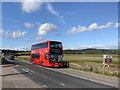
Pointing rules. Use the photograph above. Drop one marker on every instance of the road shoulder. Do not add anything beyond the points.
(11, 78)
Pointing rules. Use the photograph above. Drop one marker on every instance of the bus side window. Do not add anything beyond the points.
(32, 55)
(46, 56)
(37, 56)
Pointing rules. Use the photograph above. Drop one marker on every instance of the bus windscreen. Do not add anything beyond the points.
(55, 45)
(55, 48)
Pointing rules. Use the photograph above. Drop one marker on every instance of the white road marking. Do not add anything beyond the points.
(44, 77)
(62, 84)
(30, 70)
(35, 73)
(25, 70)
(45, 86)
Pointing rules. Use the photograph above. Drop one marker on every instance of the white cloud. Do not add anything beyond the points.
(76, 30)
(117, 24)
(28, 25)
(45, 28)
(22, 48)
(1, 31)
(93, 26)
(51, 9)
(16, 34)
(29, 6)
(94, 46)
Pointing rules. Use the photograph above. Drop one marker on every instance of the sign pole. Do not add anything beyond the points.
(103, 69)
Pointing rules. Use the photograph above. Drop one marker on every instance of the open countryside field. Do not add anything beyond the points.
(88, 62)
(87, 58)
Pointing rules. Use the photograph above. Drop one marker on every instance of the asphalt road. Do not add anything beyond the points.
(53, 79)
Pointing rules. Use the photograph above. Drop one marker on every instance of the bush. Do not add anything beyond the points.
(2, 60)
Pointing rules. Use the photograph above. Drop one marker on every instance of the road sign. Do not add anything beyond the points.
(107, 59)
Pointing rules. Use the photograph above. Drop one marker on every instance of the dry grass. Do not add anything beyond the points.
(92, 63)
(79, 57)
(24, 57)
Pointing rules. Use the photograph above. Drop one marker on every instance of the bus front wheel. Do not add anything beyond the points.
(42, 63)
(32, 61)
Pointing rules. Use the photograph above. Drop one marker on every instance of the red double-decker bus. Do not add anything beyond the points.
(48, 53)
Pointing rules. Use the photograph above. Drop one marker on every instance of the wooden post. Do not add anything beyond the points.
(103, 68)
(2, 55)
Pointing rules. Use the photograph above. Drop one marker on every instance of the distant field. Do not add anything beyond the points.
(87, 59)
(92, 63)
(26, 57)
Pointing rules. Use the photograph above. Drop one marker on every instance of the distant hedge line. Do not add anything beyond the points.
(88, 51)
(83, 51)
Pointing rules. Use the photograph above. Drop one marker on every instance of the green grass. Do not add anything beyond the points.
(2, 60)
(88, 61)
(24, 58)
(93, 55)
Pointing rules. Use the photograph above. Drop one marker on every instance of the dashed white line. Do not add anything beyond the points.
(44, 77)
(29, 70)
(62, 84)
(35, 72)
(45, 86)
(25, 70)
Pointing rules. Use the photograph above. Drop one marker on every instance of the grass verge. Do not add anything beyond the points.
(97, 72)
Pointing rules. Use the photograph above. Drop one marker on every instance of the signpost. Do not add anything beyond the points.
(107, 60)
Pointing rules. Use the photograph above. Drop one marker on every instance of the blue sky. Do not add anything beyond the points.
(77, 25)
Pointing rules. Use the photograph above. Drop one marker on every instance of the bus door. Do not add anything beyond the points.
(46, 58)
(36, 58)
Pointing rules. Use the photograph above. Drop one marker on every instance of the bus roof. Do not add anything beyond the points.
(44, 42)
